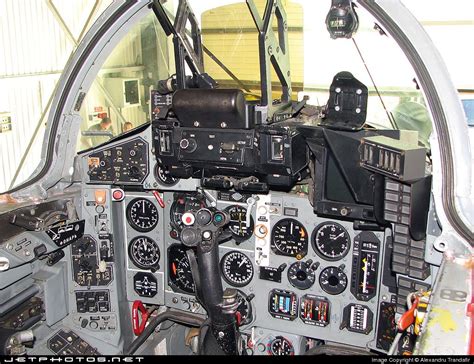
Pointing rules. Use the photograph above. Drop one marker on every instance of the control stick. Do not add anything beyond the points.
(203, 230)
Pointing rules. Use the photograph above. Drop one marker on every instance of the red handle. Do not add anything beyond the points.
(159, 199)
(140, 317)
(408, 318)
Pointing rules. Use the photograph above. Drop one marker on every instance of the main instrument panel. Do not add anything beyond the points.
(322, 278)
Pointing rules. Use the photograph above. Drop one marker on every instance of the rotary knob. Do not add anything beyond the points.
(188, 145)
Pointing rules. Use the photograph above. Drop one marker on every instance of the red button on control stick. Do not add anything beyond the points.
(188, 219)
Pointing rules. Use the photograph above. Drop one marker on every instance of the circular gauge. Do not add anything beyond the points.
(142, 215)
(237, 225)
(301, 275)
(163, 176)
(333, 280)
(237, 269)
(179, 270)
(280, 346)
(144, 252)
(244, 310)
(289, 238)
(184, 202)
(331, 241)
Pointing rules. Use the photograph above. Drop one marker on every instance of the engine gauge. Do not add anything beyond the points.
(301, 275)
(331, 241)
(144, 253)
(280, 346)
(289, 238)
(180, 277)
(163, 176)
(184, 202)
(244, 312)
(314, 310)
(142, 215)
(237, 225)
(333, 280)
(283, 304)
(237, 269)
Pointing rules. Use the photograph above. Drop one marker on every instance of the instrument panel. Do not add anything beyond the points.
(125, 162)
(299, 276)
(324, 274)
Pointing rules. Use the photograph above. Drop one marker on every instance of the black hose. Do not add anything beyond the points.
(175, 316)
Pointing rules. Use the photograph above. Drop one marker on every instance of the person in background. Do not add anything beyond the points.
(410, 115)
(105, 125)
(127, 126)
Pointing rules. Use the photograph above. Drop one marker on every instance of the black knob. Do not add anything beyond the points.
(134, 172)
(188, 145)
(189, 237)
(203, 217)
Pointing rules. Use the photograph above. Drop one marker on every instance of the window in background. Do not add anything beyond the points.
(118, 100)
(37, 38)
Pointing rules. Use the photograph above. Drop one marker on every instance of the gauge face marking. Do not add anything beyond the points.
(163, 176)
(280, 346)
(331, 241)
(237, 269)
(301, 275)
(333, 280)
(144, 252)
(179, 270)
(237, 225)
(289, 238)
(142, 215)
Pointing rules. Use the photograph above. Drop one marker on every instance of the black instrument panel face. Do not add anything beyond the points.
(144, 253)
(237, 269)
(180, 277)
(315, 310)
(85, 264)
(126, 163)
(238, 223)
(289, 238)
(283, 304)
(365, 266)
(280, 346)
(331, 241)
(142, 215)
(333, 280)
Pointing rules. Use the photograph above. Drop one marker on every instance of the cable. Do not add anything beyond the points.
(175, 316)
(205, 324)
(394, 345)
(390, 117)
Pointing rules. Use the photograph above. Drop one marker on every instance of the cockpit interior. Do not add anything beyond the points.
(229, 217)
